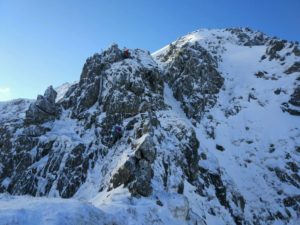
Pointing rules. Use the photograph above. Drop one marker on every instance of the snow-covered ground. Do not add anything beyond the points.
(26, 210)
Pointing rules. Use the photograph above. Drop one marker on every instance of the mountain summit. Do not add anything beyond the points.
(204, 131)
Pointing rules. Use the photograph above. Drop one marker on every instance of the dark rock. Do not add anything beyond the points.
(136, 173)
(296, 51)
(275, 47)
(294, 68)
(291, 201)
(35, 131)
(263, 57)
(131, 123)
(295, 97)
(192, 157)
(277, 91)
(220, 148)
(25, 143)
(220, 189)
(125, 174)
(272, 148)
(285, 107)
(293, 166)
(43, 149)
(180, 188)
(248, 37)
(74, 172)
(147, 149)
(140, 187)
(286, 178)
(293, 106)
(259, 74)
(158, 202)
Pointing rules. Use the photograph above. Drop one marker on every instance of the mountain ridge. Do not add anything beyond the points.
(210, 133)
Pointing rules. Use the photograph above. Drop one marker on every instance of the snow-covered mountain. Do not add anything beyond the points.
(204, 131)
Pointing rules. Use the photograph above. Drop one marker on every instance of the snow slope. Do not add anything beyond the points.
(258, 139)
(27, 210)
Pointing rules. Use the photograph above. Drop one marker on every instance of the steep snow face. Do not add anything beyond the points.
(206, 131)
(62, 90)
(249, 131)
(13, 111)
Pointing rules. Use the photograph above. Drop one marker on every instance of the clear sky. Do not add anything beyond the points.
(46, 43)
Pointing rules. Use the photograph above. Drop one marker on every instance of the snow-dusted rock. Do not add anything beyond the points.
(43, 109)
(209, 135)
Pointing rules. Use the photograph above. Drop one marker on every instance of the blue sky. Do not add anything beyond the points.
(46, 43)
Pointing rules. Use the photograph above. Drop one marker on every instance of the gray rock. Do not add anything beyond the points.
(35, 130)
(249, 37)
(195, 84)
(74, 172)
(50, 95)
(140, 187)
(125, 174)
(294, 68)
(293, 105)
(147, 149)
(295, 97)
(43, 109)
(274, 47)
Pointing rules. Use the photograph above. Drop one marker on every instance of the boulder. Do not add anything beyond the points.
(146, 149)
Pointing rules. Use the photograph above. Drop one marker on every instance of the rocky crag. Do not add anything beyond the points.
(210, 133)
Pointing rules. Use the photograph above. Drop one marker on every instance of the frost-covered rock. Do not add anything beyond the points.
(43, 109)
(191, 72)
(201, 132)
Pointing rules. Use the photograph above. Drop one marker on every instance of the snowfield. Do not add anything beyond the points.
(26, 210)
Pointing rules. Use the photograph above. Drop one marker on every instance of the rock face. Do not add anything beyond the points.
(204, 131)
(295, 97)
(191, 73)
(43, 109)
(111, 90)
(293, 105)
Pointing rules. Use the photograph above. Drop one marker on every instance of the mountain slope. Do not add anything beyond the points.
(209, 134)
(258, 143)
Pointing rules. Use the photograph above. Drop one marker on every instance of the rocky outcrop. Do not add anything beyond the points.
(293, 105)
(43, 109)
(294, 68)
(248, 37)
(74, 172)
(195, 83)
(295, 97)
(136, 173)
(275, 46)
(111, 90)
